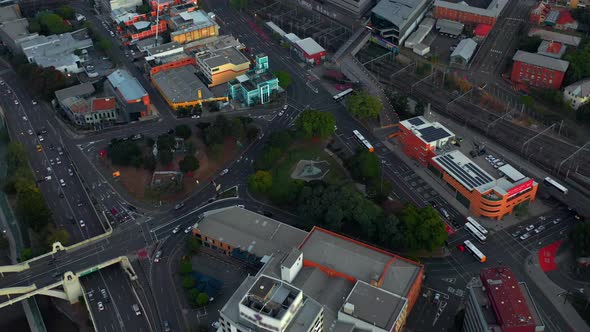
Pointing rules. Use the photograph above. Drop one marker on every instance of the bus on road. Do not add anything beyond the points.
(474, 251)
(477, 226)
(343, 94)
(480, 237)
(359, 137)
(555, 185)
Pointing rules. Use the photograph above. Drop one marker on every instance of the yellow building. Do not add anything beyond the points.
(191, 26)
(222, 66)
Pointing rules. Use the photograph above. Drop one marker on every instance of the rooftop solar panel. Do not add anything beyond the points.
(416, 121)
(469, 174)
(431, 134)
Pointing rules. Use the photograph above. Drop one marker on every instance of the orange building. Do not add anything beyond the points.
(192, 25)
(419, 138)
(222, 66)
(480, 192)
(469, 14)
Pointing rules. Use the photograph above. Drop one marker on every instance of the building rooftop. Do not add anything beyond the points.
(555, 36)
(141, 25)
(551, 49)
(397, 12)
(463, 170)
(54, 45)
(250, 231)
(309, 46)
(359, 261)
(429, 132)
(103, 104)
(17, 29)
(217, 58)
(449, 27)
(512, 173)
(580, 88)
(181, 84)
(76, 105)
(293, 38)
(493, 8)
(197, 19)
(250, 81)
(9, 13)
(271, 297)
(127, 85)
(465, 49)
(507, 300)
(541, 61)
(373, 305)
(84, 89)
(164, 48)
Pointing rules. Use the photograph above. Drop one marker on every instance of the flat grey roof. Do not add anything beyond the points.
(397, 11)
(250, 231)
(374, 305)
(181, 84)
(75, 91)
(17, 29)
(127, 85)
(555, 36)
(580, 88)
(292, 257)
(465, 49)
(449, 27)
(463, 170)
(512, 173)
(309, 46)
(360, 261)
(9, 13)
(426, 130)
(216, 58)
(164, 47)
(494, 8)
(541, 60)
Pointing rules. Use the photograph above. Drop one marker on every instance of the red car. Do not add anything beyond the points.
(461, 247)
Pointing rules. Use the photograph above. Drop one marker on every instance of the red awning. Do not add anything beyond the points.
(482, 30)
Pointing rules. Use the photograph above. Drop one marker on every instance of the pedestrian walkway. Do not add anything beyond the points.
(554, 294)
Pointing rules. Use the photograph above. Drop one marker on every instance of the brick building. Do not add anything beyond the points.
(537, 70)
(468, 11)
(420, 138)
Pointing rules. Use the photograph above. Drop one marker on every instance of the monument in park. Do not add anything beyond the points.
(309, 170)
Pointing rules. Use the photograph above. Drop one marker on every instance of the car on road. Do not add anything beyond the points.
(516, 234)
(39, 148)
(445, 213)
(188, 229)
(166, 326)
(100, 306)
(56, 274)
(48, 178)
(82, 224)
(436, 298)
(71, 172)
(176, 229)
(51, 162)
(105, 296)
(225, 171)
(62, 182)
(195, 116)
(525, 236)
(16, 102)
(41, 139)
(530, 228)
(136, 309)
(34, 102)
(178, 206)
(215, 325)
(556, 221)
(30, 132)
(539, 229)
(2, 83)
(158, 256)
(461, 248)
(58, 161)
(25, 118)
(281, 113)
(285, 107)
(60, 151)
(79, 204)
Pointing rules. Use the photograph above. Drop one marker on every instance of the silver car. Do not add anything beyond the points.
(525, 236)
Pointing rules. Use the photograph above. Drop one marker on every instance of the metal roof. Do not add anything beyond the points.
(541, 61)
(463, 170)
(309, 46)
(181, 84)
(128, 86)
(555, 36)
(580, 88)
(465, 49)
(75, 91)
(429, 132)
(449, 27)
(397, 12)
(9, 13)
(512, 173)
(493, 10)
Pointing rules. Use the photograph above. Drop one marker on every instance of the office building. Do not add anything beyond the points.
(222, 66)
(14, 30)
(500, 303)
(395, 20)
(189, 26)
(57, 51)
(316, 281)
(256, 86)
(310, 51)
(132, 99)
(538, 71)
(469, 11)
(420, 138)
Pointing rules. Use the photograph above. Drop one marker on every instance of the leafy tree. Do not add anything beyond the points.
(32, 209)
(281, 139)
(364, 106)
(579, 63)
(268, 158)
(52, 24)
(193, 245)
(238, 4)
(400, 102)
(390, 232)
(190, 147)
(34, 26)
(364, 166)
(124, 153)
(4, 244)
(252, 133)
(186, 267)
(56, 235)
(189, 163)
(149, 162)
(202, 299)
(583, 114)
(166, 142)
(193, 295)
(183, 131)
(66, 12)
(26, 254)
(423, 228)
(284, 77)
(580, 236)
(188, 282)
(104, 44)
(260, 182)
(313, 123)
(582, 15)
(44, 81)
(238, 129)
(165, 157)
(143, 9)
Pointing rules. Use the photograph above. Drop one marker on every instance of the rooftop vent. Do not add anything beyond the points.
(349, 308)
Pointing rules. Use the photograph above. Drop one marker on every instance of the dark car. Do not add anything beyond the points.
(166, 326)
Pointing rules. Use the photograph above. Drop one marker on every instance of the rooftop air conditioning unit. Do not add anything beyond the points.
(348, 308)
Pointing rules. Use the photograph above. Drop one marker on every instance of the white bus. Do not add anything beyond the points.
(474, 251)
(480, 237)
(359, 137)
(342, 94)
(556, 185)
(477, 226)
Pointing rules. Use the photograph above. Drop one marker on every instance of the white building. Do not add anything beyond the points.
(56, 51)
(577, 94)
(395, 20)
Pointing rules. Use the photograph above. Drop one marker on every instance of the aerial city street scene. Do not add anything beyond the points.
(295, 165)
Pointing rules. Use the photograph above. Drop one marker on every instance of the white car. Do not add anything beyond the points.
(195, 116)
(225, 171)
(176, 229)
(41, 139)
(82, 224)
(58, 161)
(530, 228)
(539, 229)
(62, 182)
(188, 229)
(281, 113)
(100, 306)
(16, 102)
(51, 162)
(556, 221)
(30, 132)
(285, 107)
(158, 256)
(25, 118)
(525, 236)
(34, 102)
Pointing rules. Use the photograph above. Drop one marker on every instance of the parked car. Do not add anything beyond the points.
(62, 182)
(525, 236)
(158, 256)
(461, 248)
(539, 229)
(225, 171)
(188, 229)
(136, 309)
(176, 229)
(100, 306)
(82, 224)
(530, 228)
(178, 206)
(556, 221)
(436, 298)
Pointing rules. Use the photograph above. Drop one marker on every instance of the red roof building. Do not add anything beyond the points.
(482, 30)
(536, 70)
(501, 303)
(539, 13)
(103, 104)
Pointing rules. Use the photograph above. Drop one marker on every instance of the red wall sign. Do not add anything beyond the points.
(520, 188)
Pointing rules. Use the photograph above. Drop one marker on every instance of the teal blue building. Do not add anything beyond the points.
(256, 86)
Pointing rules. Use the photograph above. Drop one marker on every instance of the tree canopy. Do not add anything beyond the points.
(364, 106)
(284, 77)
(66, 12)
(239, 4)
(52, 24)
(44, 81)
(183, 131)
(189, 163)
(125, 153)
(580, 236)
(422, 228)
(260, 182)
(314, 123)
(579, 63)
(364, 166)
